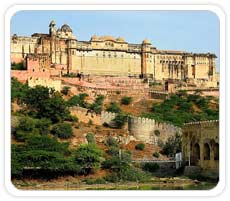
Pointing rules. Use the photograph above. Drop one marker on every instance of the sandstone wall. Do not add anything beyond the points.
(143, 129)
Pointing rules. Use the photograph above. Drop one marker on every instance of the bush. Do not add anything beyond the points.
(140, 146)
(113, 107)
(120, 120)
(18, 66)
(126, 100)
(172, 145)
(150, 167)
(65, 90)
(71, 118)
(113, 151)
(156, 154)
(90, 138)
(111, 142)
(157, 132)
(78, 100)
(105, 124)
(62, 130)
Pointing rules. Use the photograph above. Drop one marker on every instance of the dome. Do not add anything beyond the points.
(120, 39)
(146, 42)
(66, 28)
(104, 38)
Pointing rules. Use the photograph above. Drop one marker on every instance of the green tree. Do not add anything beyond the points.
(120, 120)
(18, 90)
(46, 103)
(78, 100)
(173, 145)
(88, 157)
(140, 146)
(113, 107)
(62, 130)
(126, 100)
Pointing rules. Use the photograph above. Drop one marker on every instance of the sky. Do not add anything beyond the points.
(191, 31)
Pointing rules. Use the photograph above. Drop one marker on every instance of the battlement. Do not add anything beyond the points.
(208, 123)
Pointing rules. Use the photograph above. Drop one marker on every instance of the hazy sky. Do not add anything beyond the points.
(191, 31)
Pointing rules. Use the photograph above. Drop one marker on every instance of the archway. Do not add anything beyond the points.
(216, 151)
(206, 152)
(195, 154)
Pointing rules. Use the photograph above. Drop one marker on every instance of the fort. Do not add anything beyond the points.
(59, 52)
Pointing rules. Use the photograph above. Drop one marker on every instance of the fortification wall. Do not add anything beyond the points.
(143, 129)
(107, 117)
(85, 116)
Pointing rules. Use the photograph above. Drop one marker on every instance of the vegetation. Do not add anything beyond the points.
(156, 154)
(90, 138)
(140, 146)
(18, 90)
(157, 132)
(41, 156)
(18, 66)
(150, 167)
(78, 100)
(126, 100)
(29, 126)
(62, 130)
(120, 120)
(88, 157)
(65, 90)
(111, 142)
(113, 107)
(172, 146)
(182, 108)
(98, 104)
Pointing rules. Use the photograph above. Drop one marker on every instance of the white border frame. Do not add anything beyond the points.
(213, 192)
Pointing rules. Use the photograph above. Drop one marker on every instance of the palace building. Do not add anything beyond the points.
(61, 52)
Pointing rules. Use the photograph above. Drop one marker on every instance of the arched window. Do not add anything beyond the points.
(197, 151)
(206, 152)
(216, 151)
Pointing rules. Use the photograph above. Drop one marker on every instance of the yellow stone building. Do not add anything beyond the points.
(106, 55)
(200, 145)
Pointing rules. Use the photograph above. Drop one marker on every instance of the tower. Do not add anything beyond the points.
(145, 57)
(52, 34)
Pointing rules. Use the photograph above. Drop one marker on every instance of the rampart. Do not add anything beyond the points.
(146, 130)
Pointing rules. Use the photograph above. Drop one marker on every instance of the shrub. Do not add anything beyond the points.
(140, 146)
(71, 118)
(62, 130)
(90, 122)
(113, 151)
(157, 132)
(172, 145)
(65, 90)
(126, 100)
(111, 142)
(150, 167)
(156, 154)
(113, 107)
(18, 66)
(120, 120)
(90, 138)
(105, 124)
